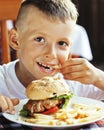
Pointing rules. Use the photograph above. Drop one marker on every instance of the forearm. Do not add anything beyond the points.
(100, 79)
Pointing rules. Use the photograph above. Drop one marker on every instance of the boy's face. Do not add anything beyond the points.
(43, 43)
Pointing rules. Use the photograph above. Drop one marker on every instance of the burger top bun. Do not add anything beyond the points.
(45, 88)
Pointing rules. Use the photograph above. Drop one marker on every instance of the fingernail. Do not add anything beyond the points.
(7, 111)
(12, 112)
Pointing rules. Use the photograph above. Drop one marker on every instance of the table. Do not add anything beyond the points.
(6, 124)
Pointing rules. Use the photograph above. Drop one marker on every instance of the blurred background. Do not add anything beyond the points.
(91, 17)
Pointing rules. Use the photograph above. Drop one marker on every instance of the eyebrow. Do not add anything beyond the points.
(36, 31)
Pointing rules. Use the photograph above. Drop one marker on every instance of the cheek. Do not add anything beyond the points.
(64, 55)
(63, 58)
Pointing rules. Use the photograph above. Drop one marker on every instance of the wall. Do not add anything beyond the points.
(91, 16)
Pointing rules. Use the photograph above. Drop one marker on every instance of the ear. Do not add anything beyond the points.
(13, 39)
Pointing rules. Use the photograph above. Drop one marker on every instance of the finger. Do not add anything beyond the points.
(10, 108)
(7, 105)
(15, 101)
(83, 80)
(71, 69)
(73, 61)
(3, 103)
(74, 75)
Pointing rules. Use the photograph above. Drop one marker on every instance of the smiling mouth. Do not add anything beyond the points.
(47, 67)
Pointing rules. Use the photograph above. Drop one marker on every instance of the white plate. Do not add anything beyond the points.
(74, 100)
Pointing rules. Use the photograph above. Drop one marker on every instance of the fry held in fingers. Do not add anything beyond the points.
(56, 67)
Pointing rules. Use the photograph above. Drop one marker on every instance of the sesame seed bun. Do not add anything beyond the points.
(45, 88)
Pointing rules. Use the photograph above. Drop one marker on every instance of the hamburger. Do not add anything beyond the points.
(46, 96)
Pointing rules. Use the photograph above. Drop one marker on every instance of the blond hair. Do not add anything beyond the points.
(61, 9)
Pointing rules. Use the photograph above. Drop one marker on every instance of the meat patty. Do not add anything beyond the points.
(35, 106)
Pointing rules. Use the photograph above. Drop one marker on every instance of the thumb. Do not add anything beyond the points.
(15, 101)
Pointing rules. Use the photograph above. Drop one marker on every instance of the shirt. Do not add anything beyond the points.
(11, 86)
(9, 83)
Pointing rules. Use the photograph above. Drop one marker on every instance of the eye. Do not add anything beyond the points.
(63, 43)
(39, 39)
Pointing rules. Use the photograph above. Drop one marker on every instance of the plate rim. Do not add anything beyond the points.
(47, 126)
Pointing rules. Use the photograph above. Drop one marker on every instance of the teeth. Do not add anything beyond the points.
(45, 66)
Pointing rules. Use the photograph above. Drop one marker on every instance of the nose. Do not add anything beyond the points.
(51, 52)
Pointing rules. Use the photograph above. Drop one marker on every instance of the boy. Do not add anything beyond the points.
(42, 39)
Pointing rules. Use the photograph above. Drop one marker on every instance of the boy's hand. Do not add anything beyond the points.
(7, 104)
(79, 69)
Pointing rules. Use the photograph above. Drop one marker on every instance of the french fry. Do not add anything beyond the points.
(56, 67)
(79, 113)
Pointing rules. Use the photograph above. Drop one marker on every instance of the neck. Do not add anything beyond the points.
(24, 77)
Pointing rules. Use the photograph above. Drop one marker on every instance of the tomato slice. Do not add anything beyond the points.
(52, 110)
